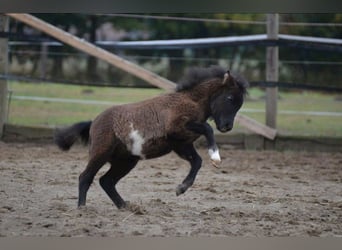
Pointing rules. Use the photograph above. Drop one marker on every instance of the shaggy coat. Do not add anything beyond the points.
(124, 134)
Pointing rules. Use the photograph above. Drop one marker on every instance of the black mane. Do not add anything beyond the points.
(197, 75)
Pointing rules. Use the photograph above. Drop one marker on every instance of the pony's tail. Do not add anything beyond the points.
(66, 137)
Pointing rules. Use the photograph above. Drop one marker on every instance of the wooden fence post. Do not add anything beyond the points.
(272, 71)
(3, 71)
(43, 60)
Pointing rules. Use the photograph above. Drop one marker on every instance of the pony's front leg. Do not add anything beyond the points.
(206, 130)
(188, 152)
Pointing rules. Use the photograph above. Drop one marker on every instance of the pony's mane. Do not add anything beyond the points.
(196, 75)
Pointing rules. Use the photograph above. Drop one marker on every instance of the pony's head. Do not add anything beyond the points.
(225, 103)
(226, 92)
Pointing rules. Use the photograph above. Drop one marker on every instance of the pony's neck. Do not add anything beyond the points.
(202, 94)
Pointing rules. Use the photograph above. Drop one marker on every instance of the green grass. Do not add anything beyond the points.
(35, 113)
(299, 124)
(55, 113)
(82, 92)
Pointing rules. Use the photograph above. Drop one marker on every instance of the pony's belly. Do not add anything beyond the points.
(146, 147)
(156, 147)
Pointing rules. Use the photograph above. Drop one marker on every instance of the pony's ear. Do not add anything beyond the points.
(227, 78)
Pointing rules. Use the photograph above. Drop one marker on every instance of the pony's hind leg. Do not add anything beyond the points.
(188, 152)
(118, 169)
(87, 177)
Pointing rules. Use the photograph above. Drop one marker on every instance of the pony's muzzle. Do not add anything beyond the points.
(225, 128)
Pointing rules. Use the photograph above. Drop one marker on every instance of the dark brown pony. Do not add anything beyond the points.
(124, 134)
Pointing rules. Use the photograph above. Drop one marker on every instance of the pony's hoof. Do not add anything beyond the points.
(181, 189)
(215, 163)
(215, 157)
(136, 209)
(122, 206)
(80, 206)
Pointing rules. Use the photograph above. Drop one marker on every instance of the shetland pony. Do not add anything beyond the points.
(124, 134)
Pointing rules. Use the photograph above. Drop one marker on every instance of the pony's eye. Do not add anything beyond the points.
(229, 98)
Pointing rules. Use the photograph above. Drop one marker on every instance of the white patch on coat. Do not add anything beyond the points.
(137, 142)
(214, 154)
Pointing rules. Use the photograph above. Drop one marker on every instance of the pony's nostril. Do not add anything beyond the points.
(227, 127)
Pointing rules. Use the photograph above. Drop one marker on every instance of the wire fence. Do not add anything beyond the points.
(37, 57)
(212, 20)
(61, 64)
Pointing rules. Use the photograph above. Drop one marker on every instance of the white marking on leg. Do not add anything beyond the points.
(214, 155)
(137, 142)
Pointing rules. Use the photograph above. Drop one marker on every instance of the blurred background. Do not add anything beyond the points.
(53, 84)
(30, 56)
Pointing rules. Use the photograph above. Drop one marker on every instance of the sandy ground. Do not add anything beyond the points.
(253, 193)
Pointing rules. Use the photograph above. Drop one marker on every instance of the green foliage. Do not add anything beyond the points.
(66, 21)
(248, 60)
(318, 31)
(177, 29)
